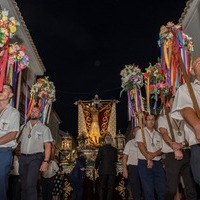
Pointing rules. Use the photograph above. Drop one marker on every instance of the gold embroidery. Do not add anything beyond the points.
(67, 189)
(121, 189)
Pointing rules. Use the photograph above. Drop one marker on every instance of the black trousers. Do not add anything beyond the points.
(134, 181)
(14, 187)
(29, 169)
(106, 187)
(176, 168)
(47, 187)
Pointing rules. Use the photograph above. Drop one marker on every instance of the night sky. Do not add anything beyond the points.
(85, 44)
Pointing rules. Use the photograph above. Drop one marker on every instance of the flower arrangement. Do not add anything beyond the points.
(156, 87)
(42, 94)
(131, 77)
(156, 77)
(8, 27)
(17, 54)
(175, 44)
(43, 89)
(171, 31)
(132, 82)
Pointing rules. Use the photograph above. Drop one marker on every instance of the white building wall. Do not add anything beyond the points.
(190, 20)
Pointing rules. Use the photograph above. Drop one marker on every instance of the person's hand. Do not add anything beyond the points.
(149, 164)
(125, 172)
(178, 154)
(150, 155)
(82, 168)
(44, 166)
(176, 146)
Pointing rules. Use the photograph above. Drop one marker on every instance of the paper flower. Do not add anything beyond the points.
(17, 54)
(132, 82)
(8, 27)
(174, 32)
(43, 88)
(157, 80)
(131, 77)
(174, 42)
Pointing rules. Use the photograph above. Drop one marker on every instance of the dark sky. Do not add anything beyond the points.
(85, 44)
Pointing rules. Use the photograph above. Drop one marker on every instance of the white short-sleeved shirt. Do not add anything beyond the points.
(183, 100)
(39, 134)
(9, 122)
(15, 170)
(150, 137)
(131, 150)
(52, 169)
(176, 125)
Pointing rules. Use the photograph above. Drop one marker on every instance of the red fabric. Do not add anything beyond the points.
(3, 63)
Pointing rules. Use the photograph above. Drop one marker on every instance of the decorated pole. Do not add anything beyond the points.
(132, 82)
(156, 87)
(18, 90)
(8, 27)
(173, 42)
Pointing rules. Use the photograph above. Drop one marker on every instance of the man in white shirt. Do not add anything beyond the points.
(177, 155)
(9, 127)
(183, 109)
(150, 167)
(130, 165)
(35, 145)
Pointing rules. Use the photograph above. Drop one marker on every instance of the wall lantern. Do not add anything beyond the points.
(120, 141)
(66, 144)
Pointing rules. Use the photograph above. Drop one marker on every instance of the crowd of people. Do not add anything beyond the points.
(25, 153)
(165, 152)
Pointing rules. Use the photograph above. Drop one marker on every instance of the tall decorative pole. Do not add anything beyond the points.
(132, 82)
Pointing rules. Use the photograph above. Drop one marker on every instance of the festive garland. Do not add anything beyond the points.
(162, 78)
(131, 77)
(172, 43)
(17, 61)
(42, 94)
(155, 85)
(132, 82)
(17, 55)
(8, 27)
(43, 88)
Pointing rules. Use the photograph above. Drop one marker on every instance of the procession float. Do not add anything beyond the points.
(96, 118)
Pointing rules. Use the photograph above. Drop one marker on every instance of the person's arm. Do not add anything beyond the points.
(146, 154)
(174, 145)
(191, 118)
(124, 161)
(143, 149)
(47, 153)
(156, 153)
(165, 137)
(8, 137)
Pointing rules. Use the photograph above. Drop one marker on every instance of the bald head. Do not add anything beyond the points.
(196, 68)
(196, 62)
